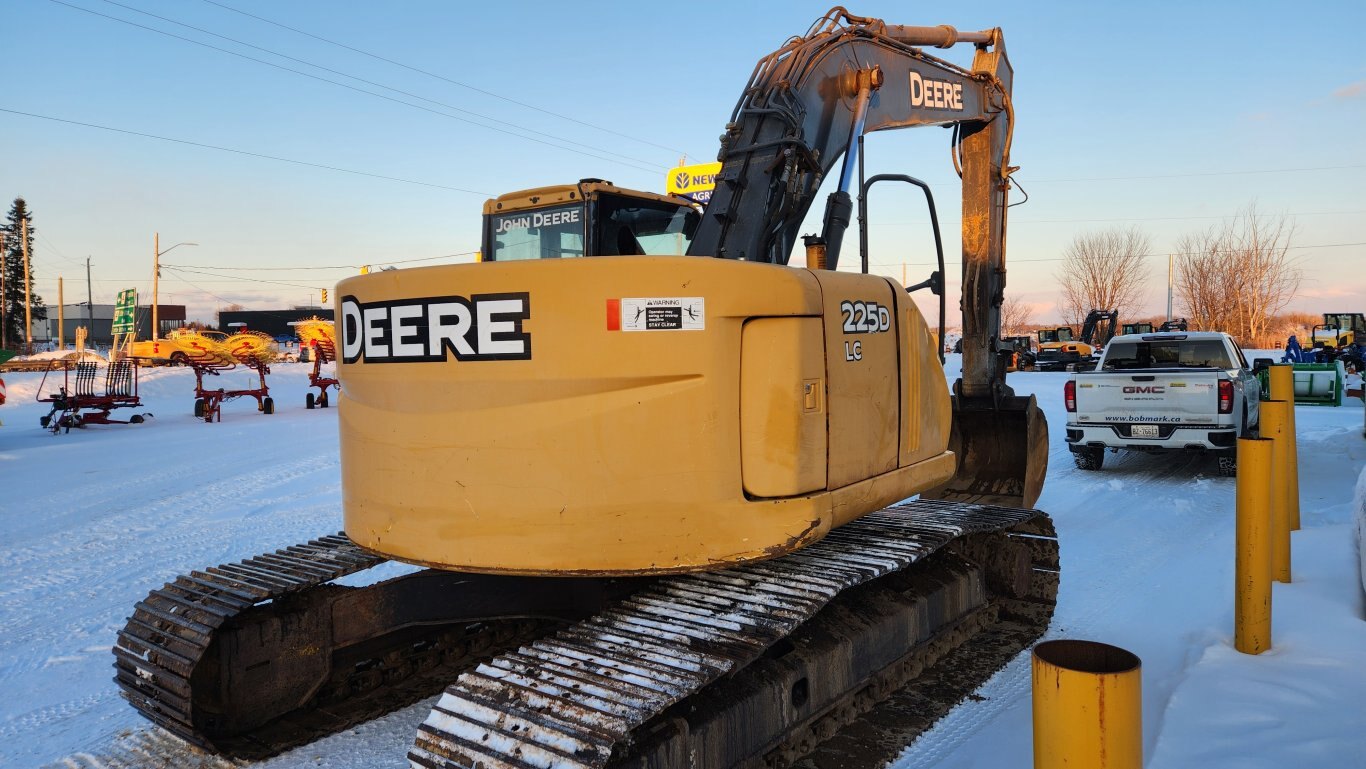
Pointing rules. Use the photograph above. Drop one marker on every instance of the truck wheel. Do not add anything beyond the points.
(308, 401)
(1090, 458)
(1228, 464)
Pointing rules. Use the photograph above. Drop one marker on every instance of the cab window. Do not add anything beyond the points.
(544, 233)
(629, 226)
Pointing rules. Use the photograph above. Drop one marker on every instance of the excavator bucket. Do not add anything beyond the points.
(1002, 451)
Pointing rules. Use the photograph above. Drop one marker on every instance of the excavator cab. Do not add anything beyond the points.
(1055, 335)
(591, 218)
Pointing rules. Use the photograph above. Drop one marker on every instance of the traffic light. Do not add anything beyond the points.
(324, 296)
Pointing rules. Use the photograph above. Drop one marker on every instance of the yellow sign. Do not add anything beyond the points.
(695, 181)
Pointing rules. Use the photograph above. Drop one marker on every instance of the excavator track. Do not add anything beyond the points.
(754, 665)
(169, 667)
(641, 672)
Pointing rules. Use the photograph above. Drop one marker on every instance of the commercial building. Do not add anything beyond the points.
(273, 322)
(99, 321)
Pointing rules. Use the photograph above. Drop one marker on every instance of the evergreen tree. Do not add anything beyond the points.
(13, 298)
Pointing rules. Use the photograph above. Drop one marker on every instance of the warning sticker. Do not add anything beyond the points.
(663, 314)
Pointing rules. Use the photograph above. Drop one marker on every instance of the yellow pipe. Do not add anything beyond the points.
(1282, 380)
(1088, 706)
(1274, 418)
(1252, 570)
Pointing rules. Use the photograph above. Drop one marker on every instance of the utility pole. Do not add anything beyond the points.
(156, 274)
(89, 300)
(61, 316)
(28, 308)
(1171, 258)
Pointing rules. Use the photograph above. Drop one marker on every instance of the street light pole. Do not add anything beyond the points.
(156, 275)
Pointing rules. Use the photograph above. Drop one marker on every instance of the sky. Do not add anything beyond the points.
(1164, 116)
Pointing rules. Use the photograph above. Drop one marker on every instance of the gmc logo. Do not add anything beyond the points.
(1154, 389)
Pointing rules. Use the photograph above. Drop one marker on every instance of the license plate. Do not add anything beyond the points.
(1143, 431)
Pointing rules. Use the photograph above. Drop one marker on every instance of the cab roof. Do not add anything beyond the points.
(539, 197)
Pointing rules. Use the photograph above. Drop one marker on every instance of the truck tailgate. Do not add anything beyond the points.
(1154, 396)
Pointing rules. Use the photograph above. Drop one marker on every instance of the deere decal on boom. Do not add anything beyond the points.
(687, 545)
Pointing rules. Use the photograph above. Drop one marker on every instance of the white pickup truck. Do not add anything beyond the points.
(1190, 391)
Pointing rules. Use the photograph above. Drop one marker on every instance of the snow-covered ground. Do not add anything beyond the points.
(93, 519)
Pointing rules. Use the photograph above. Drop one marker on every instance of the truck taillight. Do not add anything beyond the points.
(1069, 395)
(1225, 397)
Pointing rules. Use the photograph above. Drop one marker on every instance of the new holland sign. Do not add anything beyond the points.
(695, 181)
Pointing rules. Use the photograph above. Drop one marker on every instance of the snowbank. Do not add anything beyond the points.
(1359, 504)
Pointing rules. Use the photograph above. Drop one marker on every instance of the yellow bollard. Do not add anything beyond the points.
(1088, 706)
(1274, 427)
(1252, 570)
(1282, 381)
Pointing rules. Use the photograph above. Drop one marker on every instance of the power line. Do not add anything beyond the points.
(244, 152)
(362, 80)
(1137, 218)
(301, 73)
(329, 266)
(1161, 253)
(1242, 172)
(243, 279)
(444, 79)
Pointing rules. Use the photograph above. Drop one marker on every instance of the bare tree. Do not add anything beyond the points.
(1237, 275)
(1103, 270)
(1017, 317)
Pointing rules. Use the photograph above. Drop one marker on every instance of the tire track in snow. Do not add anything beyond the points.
(1146, 542)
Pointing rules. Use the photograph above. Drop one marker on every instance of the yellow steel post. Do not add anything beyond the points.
(1274, 427)
(1088, 706)
(1252, 570)
(1282, 379)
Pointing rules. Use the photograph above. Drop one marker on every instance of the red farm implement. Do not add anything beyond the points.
(77, 402)
(320, 337)
(249, 349)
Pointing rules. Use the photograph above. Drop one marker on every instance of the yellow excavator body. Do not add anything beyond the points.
(629, 415)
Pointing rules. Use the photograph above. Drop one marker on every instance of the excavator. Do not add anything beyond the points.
(1059, 351)
(693, 510)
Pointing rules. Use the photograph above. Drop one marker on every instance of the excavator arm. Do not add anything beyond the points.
(805, 109)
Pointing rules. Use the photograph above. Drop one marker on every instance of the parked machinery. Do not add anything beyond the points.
(210, 357)
(660, 496)
(1022, 356)
(1059, 351)
(320, 337)
(87, 398)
